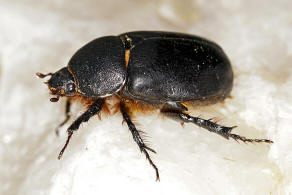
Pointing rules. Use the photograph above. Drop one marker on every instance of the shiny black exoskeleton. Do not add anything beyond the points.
(165, 70)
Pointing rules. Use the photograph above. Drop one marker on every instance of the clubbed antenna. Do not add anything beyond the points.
(55, 99)
(40, 75)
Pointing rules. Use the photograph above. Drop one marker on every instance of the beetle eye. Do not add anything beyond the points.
(70, 89)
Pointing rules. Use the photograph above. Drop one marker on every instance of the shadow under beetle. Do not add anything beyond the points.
(162, 70)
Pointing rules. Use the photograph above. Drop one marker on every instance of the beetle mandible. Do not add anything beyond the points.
(163, 70)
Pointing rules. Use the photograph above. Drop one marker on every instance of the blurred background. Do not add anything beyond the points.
(102, 158)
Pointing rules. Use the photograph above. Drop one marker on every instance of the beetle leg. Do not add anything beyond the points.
(175, 106)
(138, 139)
(67, 113)
(93, 109)
(210, 126)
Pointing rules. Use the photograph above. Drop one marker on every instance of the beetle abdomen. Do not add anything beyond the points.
(177, 69)
(99, 67)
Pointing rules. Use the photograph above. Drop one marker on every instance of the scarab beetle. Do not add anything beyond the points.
(146, 69)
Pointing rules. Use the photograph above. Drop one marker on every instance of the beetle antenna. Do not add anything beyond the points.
(55, 99)
(70, 133)
(40, 75)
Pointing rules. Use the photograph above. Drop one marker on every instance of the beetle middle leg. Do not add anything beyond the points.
(210, 126)
(67, 114)
(93, 109)
(138, 139)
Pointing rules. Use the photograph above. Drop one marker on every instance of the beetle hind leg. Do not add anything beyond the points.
(210, 126)
(138, 139)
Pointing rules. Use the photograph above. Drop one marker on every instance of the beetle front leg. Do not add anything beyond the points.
(138, 139)
(67, 114)
(93, 109)
(210, 126)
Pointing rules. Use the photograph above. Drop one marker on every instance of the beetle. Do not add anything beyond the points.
(140, 70)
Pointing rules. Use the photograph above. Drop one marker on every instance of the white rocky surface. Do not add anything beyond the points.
(41, 36)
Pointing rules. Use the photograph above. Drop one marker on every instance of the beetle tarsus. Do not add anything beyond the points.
(211, 126)
(70, 133)
(93, 109)
(138, 139)
(244, 139)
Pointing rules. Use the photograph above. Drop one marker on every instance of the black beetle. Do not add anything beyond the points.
(146, 69)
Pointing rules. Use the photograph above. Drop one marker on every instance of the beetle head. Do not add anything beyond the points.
(60, 84)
